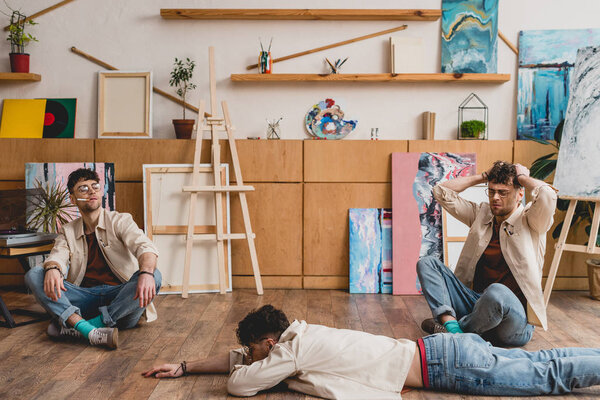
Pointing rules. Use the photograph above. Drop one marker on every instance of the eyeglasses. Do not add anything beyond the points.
(85, 189)
(501, 193)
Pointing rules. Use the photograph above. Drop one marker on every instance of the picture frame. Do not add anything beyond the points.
(124, 104)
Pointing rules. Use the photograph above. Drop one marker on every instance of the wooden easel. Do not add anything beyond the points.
(216, 125)
(562, 244)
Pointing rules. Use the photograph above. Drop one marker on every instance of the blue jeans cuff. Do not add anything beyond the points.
(106, 318)
(444, 309)
(62, 318)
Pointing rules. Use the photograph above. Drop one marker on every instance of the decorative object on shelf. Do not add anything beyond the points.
(325, 120)
(19, 60)
(273, 129)
(406, 54)
(374, 133)
(417, 217)
(124, 104)
(469, 36)
(472, 118)
(59, 118)
(38, 118)
(335, 66)
(546, 60)
(428, 125)
(51, 207)
(265, 62)
(181, 77)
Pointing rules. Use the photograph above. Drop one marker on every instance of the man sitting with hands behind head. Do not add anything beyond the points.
(496, 289)
(101, 274)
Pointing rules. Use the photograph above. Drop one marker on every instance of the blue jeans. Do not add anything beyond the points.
(465, 363)
(114, 303)
(496, 314)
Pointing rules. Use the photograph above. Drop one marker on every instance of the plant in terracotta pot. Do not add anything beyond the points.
(18, 38)
(181, 76)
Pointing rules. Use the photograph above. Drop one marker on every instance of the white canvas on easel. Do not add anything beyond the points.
(166, 212)
(406, 54)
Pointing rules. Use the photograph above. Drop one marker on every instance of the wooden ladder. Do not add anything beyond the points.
(216, 125)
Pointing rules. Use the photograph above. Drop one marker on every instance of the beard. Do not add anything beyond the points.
(87, 207)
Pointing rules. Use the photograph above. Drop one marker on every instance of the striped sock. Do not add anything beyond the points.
(453, 327)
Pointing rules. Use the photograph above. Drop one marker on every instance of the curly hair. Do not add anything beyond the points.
(261, 322)
(505, 173)
(81, 174)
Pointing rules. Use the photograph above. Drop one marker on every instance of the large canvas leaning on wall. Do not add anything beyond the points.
(417, 216)
(469, 36)
(546, 59)
(577, 172)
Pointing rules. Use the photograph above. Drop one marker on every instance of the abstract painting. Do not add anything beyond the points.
(49, 174)
(577, 173)
(385, 219)
(417, 217)
(469, 36)
(546, 59)
(38, 118)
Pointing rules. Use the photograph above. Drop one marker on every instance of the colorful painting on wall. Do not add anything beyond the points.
(38, 118)
(417, 217)
(546, 60)
(577, 174)
(58, 173)
(325, 120)
(469, 36)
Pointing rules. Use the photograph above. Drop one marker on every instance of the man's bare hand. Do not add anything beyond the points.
(521, 170)
(164, 371)
(146, 289)
(53, 284)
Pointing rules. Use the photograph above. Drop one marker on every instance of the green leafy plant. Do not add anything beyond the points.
(17, 36)
(50, 207)
(180, 77)
(472, 128)
(543, 167)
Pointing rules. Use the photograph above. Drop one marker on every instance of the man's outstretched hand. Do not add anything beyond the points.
(164, 371)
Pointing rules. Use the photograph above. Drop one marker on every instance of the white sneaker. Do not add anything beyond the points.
(57, 331)
(108, 337)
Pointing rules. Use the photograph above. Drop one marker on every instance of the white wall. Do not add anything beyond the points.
(131, 35)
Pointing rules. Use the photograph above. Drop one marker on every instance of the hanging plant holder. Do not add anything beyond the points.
(473, 119)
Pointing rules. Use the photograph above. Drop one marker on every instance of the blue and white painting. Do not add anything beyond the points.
(577, 172)
(365, 250)
(546, 59)
(469, 36)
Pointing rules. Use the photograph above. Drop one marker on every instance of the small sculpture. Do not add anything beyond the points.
(273, 129)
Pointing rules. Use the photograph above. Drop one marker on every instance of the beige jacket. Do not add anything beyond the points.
(327, 362)
(522, 240)
(121, 242)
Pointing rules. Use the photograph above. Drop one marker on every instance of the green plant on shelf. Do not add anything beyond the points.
(17, 36)
(472, 129)
(181, 75)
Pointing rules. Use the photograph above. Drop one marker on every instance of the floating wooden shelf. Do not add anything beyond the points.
(18, 76)
(302, 14)
(408, 78)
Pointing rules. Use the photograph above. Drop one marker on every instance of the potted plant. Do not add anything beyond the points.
(19, 60)
(180, 78)
(51, 208)
(542, 168)
(472, 129)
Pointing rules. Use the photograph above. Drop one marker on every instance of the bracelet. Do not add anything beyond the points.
(54, 267)
(184, 368)
(147, 272)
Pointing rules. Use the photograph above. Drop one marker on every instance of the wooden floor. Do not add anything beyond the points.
(34, 367)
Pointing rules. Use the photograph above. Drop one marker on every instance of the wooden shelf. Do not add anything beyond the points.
(18, 76)
(408, 78)
(302, 14)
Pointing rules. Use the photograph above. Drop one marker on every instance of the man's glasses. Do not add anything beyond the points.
(501, 193)
(85, 189)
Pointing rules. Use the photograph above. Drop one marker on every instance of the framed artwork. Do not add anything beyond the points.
(166, 212)
(38, 118)
(124, 104)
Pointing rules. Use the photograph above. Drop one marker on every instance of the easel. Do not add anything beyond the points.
(216, 125)
(562, 244)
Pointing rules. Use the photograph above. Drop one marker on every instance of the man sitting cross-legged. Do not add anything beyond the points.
(346, 364)
(101, 274)
(499, 272)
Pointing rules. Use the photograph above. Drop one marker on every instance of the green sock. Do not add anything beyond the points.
(453, 327)
(97, 322)
(84, 327)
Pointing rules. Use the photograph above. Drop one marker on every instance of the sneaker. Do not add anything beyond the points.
(108, 337)
(57, 331)
(431, 326)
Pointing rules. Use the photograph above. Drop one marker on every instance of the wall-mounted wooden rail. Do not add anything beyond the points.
(407, 78)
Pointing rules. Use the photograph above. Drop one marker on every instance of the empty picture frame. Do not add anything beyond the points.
(124, 104)
(166, 211)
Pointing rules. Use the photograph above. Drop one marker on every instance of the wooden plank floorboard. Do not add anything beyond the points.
(35, 367)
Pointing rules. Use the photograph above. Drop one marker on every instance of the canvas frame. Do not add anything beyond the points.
(116, 88)
(199, 282)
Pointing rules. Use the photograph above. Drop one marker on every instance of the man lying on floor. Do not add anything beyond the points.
(346, 364)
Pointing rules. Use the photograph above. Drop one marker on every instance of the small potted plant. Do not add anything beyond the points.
(181, 76)
(472, 129)
(19, 60)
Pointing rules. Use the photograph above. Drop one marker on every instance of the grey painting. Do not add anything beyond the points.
(577, 172)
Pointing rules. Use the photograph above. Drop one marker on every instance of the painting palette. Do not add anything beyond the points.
(325, 120)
